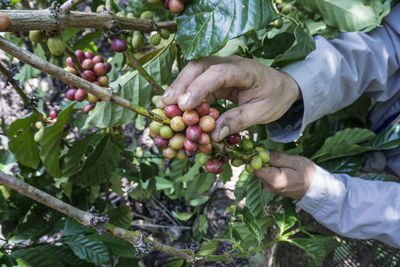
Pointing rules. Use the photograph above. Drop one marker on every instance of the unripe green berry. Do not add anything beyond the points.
(166, 132)
(130, 15)
(237, 162)
(264, 155)
(181, 154)
(147, 15)
(100, 8)
(137, 40)
(155, 38)
(121, 14)
(164, 33)
(155, 98)
(256, 162)
(39, 125)
(38, 135)
(158, 111)
(287, 8)
(155, 127)
(202, 158)
(248, 168)
(56, 45)
(35, 36)
(246, 144)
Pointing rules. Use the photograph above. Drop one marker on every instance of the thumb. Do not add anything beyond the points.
(235, 120)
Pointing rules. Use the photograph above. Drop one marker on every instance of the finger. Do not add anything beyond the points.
(236, 120)
(185, 78)
(282, 160)
(225, 75)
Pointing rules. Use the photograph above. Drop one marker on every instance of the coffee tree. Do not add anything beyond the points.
(73, 157)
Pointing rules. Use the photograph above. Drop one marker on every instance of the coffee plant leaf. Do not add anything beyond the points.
(387, 139)
(51, 143)
(20, 124)
(205, 26)
(37, 257)
(183, 216)
(226, 174)
(62, 253)
(117, 246)
(346, 15)
(241, 186)
(89, 249)
(6, 160)
(256, 196)
(348, 165)
(25, 149)
(284, 221)
(190, 175)
(72, 227)
(378, 177)
(208, 247)
(27, 71)
(250, 222)
(121, 216)
(199, 184)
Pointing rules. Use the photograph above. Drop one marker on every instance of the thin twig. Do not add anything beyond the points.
(67, 6)
(131, 58)
(150, 225)
(76, 81)
(165, 211)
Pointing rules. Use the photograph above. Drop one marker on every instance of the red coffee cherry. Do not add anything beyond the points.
(193, 133)
(81, 55)
(103, 80)
(214, 166)
(225, 158)
(161, 142)
(66, 126)
(234, 139)
(87, 64)
(80, 95)
(70, 94)
(203, 109)
(190, 117)
(108, 67)
(206, 148)
(214, 113)
(166, 4)
(89, 55)
(207, 123)
(169, 153)
(118, 45)
(70, 62)
(99, 69)
(5, 22)
(88, 75)
(53, 114)
(97, 59)
(190, 145)
(176, 6)
(205, 139)
(87, 108)
(172, 111)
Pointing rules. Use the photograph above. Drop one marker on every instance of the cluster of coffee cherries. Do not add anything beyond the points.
(94, 71)
(52, 118)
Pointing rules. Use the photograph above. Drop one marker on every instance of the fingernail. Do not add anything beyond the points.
(184, 99)
(223, 132)
(167, 92)
(160, 104)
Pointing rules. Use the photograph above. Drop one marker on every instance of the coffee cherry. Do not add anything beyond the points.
(56, 45)
(166, 132)
(152, 135)
(99, 69)
(38, 135)
(81, 55)
(177, 141)
(190, 153)
(234, 139)
(97, 59)
(214, 113)
(118, 45)
(130, 15)
(264, 155)
(87, 108)
(80, 95)
(155, 127)
(172, 111)
(203, 109)
(193, 133)
(164, 33)
(38, 125)
(66, 127)
(101, 8)
(166, 4)
(155, 98)
(161, 142)
(137, 40)
(147, 15)
(225, 158)
(169, 153)
(88, 75)
(214, 166)
(35, 36)
(70, 62)
(247, 144)
(87, 64)
(256, 162)
(53, 114)
(287, 8)
(237, 162)
(155, 38)
(120, 14)
(103, 80)
(71, 70)
(202, 158)
(190, 117)
(70, 94)
(207, 123)
(206, 148)
(181, 154)
(204, 139)
(176, 6)
(248, 168)
(5, 22)
(158, 111)
(177, 124)
(92, 98)
(89, 55)
(108, 67)
(190, 145)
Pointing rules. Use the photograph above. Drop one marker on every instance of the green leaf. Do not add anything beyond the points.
(198, 201)
(117, 246)
(20, 124)
(387, 139)
(100, 164)
(200, 184)
(51, 143)
(208, 247)
(135, 89)
(89, 249)
(87, 39)
(284, 221)
(143, 192)
(378, 177)
(241, 186)
(27, 71)
(346, 15)
(72, 227)
(344, 143)
(226, 174)
(121, 216)
(349, 165)
(190, 175)
(117, 63)
(116, 184)
(6, 160)
(256, 196)
(37, 257)
(63, 253)
(205, 26)
(163, 184)
(183, 216)
(25, 149)
(250, 222)
(72, 162)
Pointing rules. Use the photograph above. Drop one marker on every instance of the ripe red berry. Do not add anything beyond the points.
(108, 67)
(97, 59)
(161, 142)
(53, 114)
(205, 139)
(88, 75)
(190, 117)
(176, 6)
(80, 95)
(99, 69)
(118, 45)
(103, 80)
(66, 126)
(225, 158)
(214, 113)
(234, 139)
(81, 55)
(87, 64)
(166, 4)
(5, 22)
(207, 123)
(89, 55)
(190, 145)
(87, 108)
(70, 94)
(203, 109)
(193, 133)
(70, 62)
(169, 153)
(172, 111)
(206, 148)
(214, 166)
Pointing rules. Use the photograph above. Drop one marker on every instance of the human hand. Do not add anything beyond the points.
(262, 93)
(288, 176)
